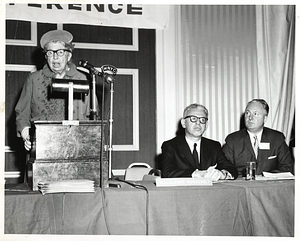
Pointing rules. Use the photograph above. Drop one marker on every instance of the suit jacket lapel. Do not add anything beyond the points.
(204, 154)
(185, 150)
(263, 154)
(264, 136)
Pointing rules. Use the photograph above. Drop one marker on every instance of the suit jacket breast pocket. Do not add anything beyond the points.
(271, 163)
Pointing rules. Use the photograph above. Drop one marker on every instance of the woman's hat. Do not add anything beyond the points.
(56, 35)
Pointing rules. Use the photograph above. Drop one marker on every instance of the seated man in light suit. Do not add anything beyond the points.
(179, 159)
(272, 155)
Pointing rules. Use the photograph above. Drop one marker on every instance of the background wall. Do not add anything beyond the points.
(209, 55)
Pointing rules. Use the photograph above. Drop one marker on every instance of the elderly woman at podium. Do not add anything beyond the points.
(36, 101)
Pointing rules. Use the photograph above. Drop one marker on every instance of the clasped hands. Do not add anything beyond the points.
(213, 173)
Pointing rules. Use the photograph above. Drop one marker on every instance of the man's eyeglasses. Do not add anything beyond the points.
(59, 52)
(194, 119)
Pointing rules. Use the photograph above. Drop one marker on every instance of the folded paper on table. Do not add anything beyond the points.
(66, 186)
(275, 176)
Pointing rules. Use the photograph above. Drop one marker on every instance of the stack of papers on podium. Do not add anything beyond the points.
(275, 176)
(66, 186)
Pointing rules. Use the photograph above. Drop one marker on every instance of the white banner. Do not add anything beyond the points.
(120, 15)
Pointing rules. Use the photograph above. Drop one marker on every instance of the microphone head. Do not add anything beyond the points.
(109, 69)
(82, 63)
(108, 78)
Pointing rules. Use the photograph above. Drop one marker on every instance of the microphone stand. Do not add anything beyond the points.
(93, 109)
(110, 129)
(93, 116)
(106, 79)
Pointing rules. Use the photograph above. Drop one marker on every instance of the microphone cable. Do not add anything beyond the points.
(139, 186)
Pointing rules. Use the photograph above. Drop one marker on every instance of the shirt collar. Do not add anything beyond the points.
(259, 134)
(191, 144)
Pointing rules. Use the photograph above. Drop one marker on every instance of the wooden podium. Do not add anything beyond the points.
(64, 150)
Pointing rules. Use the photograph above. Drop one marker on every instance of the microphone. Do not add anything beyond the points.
(85, 64)
(108, 78)
(107, 71)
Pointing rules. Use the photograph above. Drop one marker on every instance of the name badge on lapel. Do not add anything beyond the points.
(264, 146)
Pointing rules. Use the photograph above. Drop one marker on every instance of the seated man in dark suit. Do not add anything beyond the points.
(179, 159)
(269, 150)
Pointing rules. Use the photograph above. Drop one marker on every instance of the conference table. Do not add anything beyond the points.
(227, 208)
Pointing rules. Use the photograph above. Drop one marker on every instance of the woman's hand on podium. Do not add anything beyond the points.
(26, 138)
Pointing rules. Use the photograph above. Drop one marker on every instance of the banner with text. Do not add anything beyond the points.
(119, 15)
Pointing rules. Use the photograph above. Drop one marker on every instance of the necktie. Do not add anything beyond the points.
(255, 146)
(195, 155)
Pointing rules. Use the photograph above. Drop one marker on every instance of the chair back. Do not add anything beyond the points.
(136, 171)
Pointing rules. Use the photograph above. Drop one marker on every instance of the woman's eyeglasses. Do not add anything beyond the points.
(59, 52)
